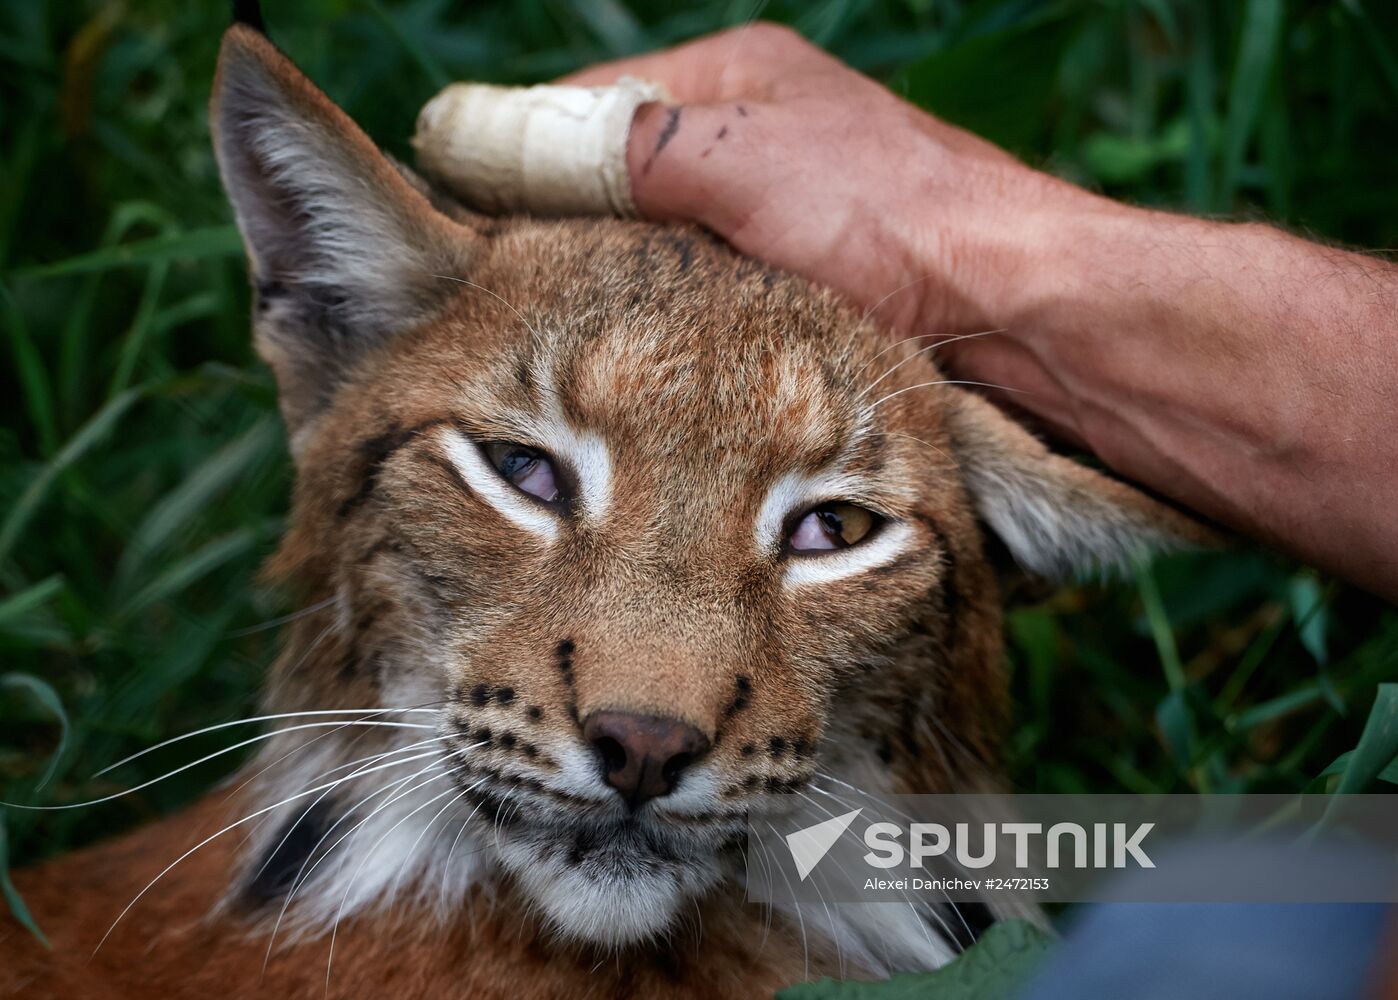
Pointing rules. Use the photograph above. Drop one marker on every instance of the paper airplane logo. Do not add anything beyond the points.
(810, 844)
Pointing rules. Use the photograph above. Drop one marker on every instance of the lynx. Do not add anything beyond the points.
(608, 539)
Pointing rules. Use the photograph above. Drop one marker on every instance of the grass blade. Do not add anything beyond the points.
(182, 506)
(194, 244)
(1378, 745)
(7, 888)
(88, 436)
(33, 374)
(1258, 45)
(27, 600)
(42, 692)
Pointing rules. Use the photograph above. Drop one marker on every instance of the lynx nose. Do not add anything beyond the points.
(643, 755)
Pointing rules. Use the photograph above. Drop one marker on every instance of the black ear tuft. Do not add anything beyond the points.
(249, 12)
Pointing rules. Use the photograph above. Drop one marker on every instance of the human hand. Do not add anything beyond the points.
(1241, 371)
(797, 159)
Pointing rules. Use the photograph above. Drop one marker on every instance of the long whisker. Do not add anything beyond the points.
(367, 713)
(271, 623)
(403, 864)
(304, 874)
(859, 791)
(903, 287)
(930, 347)
(925, 444)
(210, 839)
(796, 903)
(943, 381)
(763, 856)
(815, 884)
(446, 868)
(208, 757)
(896, 343)
(499, 298)
(845, 803)
(335, 928)
(371, 758)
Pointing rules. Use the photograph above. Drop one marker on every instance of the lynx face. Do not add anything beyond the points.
(643, 537)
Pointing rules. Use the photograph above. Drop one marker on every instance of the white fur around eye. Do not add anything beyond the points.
(487, 484)
(587, 456)
(890, 542)
(794, 492)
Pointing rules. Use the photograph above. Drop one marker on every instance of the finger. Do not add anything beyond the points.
(717, 67)
(689, 163)
(679, 71)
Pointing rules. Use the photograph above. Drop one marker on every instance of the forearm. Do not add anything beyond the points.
(1247, 374)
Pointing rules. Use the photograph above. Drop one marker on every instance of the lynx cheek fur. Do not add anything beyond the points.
(609, 538)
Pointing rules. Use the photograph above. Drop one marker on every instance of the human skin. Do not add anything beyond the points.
(1245, 373)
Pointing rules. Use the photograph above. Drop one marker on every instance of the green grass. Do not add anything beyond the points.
(143, 477)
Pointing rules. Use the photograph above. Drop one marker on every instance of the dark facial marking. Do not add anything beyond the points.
(565, 670)
(374, 452)
(293, 846)
(449, 470)
(950, 602)
(743, 684)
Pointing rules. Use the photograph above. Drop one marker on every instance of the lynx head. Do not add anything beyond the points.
(626, 535)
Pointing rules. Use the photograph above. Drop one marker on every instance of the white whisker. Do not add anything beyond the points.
(944, 381)
(210, 839)
(272, 623)
(371, 758)
(919, 353)
(499, 298)
(303, 875)
(796, 905)
(334, 929)
(367, 713)
(208, 757)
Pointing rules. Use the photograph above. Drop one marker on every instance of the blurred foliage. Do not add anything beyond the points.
(143, 476)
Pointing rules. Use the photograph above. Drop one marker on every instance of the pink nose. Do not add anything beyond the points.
(643, 755)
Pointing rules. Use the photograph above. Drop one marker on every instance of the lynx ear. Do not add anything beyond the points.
(344, 251)
(1057, 518)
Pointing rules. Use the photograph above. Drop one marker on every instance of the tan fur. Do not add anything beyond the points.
(708, 377)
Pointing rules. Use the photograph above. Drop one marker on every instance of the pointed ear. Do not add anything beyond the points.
(1057, 518)
(344, 251)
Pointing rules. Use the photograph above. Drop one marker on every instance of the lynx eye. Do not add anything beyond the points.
(832, 526)
(527, 469)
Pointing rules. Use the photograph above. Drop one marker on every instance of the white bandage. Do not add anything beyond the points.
(546, 150)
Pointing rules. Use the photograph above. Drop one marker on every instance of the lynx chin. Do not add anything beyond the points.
(607, 540)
